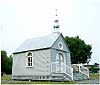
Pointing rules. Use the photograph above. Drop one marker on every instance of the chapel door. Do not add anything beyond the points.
(60, 65)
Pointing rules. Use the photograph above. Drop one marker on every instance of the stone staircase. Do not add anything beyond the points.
(79, 72)
(76, 72)
(79, 76)
(60, 77)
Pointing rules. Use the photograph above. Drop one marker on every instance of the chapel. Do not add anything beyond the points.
(44, 58)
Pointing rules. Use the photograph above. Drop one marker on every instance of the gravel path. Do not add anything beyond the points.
(95, 81)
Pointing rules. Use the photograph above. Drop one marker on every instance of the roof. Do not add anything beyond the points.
(38, 43)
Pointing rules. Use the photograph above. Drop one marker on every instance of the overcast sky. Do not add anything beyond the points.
(22, 19)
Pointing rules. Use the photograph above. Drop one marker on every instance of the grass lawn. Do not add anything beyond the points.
(95, 76)
(34, 82)
(6, 79)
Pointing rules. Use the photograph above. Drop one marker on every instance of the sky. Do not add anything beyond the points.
(23, 19)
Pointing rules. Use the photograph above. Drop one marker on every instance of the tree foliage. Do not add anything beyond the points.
(94, 69)
(3, 60)
(6, 62)
(80, 51)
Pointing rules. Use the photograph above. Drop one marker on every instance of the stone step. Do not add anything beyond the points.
(79, 76)
(75, 68)
(60, 77)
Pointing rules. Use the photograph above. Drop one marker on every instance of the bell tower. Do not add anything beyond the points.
(56, 23)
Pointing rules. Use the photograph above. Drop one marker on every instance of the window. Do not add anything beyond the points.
(60, 45)
(29, 54)
(29, 59)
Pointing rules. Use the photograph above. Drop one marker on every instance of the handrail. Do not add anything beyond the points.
(86, 72)
(71, 69)
(66, 67)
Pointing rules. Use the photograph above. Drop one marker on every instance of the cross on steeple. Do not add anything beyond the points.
(56, 24)
(56, 12)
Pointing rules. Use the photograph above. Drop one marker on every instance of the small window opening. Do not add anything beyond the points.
(29, 59)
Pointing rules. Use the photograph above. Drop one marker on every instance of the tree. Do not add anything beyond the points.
(96, 64)
(3, 60)
(94, 69)
(6, 63)
(80, 51)
(9, 65)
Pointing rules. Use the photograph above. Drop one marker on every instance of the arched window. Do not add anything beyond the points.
(29, 54)
(29, 59)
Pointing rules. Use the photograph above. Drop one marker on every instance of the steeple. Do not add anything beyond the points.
(56, 24)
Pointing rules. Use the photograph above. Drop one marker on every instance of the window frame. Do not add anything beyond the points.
(29, 60)
(60, 45)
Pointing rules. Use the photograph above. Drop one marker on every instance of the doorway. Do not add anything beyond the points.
(60, 63)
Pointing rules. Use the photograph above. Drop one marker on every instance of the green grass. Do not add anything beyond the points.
(38, 82)
(8, 77)
(94, 76)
